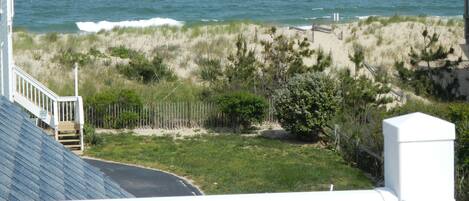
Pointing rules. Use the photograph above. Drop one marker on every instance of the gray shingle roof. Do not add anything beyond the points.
(33, 166)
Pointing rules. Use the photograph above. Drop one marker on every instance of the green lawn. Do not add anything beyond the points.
(234, 164)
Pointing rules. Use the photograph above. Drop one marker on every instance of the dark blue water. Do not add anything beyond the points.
(61, 15)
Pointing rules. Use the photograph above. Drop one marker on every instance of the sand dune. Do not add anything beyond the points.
(182, 47)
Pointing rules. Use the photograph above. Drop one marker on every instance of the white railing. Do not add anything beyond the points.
(35, 97)
(44, 103)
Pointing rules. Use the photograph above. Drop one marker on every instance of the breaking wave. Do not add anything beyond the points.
(365, 17)
(106, 25)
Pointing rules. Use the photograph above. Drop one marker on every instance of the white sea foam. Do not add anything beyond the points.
(106, 25)
(365, 17)
(317, 9)
(210, 20)
(317, 18)
(307, 27)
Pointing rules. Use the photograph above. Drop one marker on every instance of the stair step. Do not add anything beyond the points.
(73, 146)
(68, 132)
(68, 126)
(64, 141)
(69, 135)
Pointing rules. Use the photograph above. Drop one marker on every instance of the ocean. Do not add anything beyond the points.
(93, 15)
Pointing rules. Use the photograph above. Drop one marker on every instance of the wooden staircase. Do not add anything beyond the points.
(63, 115)
(69, 134)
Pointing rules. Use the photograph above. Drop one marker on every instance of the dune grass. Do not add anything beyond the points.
(226, 164)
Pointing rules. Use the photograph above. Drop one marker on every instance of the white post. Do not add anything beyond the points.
(6, 29)
(419, 157)
(75, 71)
(81, 120)
(79, 112)
(55, 110)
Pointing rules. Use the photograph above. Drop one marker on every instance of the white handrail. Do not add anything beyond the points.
(34, 96)
(67, 98)
(34, 82)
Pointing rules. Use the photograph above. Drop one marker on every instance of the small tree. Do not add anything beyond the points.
(243, 108)
(358, 57)
(242, 71)
(283, 58)
(430, 52)
(306, 104)
(323, 61)
(361, 94)
(210, 70)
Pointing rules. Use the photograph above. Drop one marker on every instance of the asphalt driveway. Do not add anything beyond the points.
(143, 182)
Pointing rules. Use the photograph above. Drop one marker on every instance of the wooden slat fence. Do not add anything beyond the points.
(163, 115)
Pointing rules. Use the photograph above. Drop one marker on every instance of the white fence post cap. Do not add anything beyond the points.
(419, 127)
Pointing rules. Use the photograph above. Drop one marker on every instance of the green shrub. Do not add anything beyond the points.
(210, 70)
(126, 120)
(243, 108)
(91, 138)
(424, 82)
(124, 52)
(69, 57)
(140, 68)
(96, 53)
(127, 101)
(122, 97)
(306, 104)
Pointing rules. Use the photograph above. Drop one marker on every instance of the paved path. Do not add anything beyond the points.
(143, 182)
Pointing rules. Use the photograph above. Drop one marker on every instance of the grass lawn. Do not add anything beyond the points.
(227, 164)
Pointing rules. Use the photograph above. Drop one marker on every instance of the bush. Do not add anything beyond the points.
(124, 52)
(127, 120)
(243, 108)
(69, 57)
(91, 138)
(122, 97)
(306, 104)
(142, 69)
(126, 100)
(210, 70)
(96, 53)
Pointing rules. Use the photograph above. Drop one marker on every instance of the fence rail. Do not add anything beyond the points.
(162, 115)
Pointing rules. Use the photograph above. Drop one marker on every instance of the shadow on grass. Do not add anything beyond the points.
(285, 136)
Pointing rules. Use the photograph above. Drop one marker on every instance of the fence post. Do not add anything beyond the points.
(419, 157)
